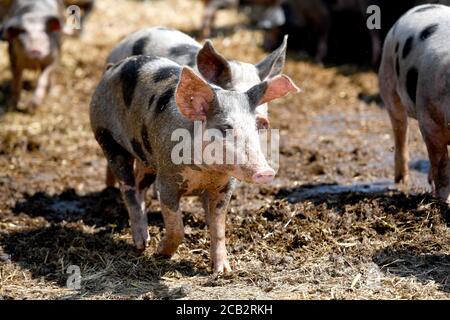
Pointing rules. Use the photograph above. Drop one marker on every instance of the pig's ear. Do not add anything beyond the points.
(273, 64)
(54, 24)
(193, 95)
(271, 89)
(213, 66)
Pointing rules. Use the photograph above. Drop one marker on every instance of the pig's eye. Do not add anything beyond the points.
(224, 128)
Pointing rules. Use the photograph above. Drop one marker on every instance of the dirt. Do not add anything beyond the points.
(331, 226)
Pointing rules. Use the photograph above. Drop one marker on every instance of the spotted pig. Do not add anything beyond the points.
(414, 81)
(140, 102)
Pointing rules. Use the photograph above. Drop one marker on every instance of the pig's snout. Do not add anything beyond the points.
(263, 176)
(36, 54)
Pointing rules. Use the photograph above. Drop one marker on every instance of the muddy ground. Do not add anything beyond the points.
(331, 226)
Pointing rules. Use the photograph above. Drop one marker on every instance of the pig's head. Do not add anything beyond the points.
(232, 114)
(32, 33)
(241, 76)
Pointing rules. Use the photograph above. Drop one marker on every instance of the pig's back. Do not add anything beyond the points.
(157, 41)
(418, 51)
(423, 30)
(135, 93)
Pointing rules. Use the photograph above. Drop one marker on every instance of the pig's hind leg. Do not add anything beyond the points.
(144, 179)
(110, 179)
(120, 161)
(436, 141)
(399, 120)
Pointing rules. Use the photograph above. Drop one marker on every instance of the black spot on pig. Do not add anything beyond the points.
(256, 93)
(105, 139)
(165, 29)
(183, 50)
(137, 148)
(397, 47)
(164, 100)
(397, 67)
(408, 46)
(411, 83)
(25, 9)
(151, 100)
(426, 8)
(139, 46)
(146, 181)
(166, 73)
(120, 158)
(428, 31)
(192, 59)
(129, 74)
(145, 139)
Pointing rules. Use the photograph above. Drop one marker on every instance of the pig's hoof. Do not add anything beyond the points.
(141, 239)
(165, 251)
(222, 267)
(168, 246)
(32, 105)
(402, 180)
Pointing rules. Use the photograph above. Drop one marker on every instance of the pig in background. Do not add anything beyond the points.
(140, 102)
(33, 30)
(414, 82)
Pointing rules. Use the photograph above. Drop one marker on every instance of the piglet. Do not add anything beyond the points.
(214, 67)
(139, 112)
(33, 32)
(414, 81)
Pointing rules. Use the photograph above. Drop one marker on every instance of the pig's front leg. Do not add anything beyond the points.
(216, 206)
(173, 221)
(43, 86)
(16, 84)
